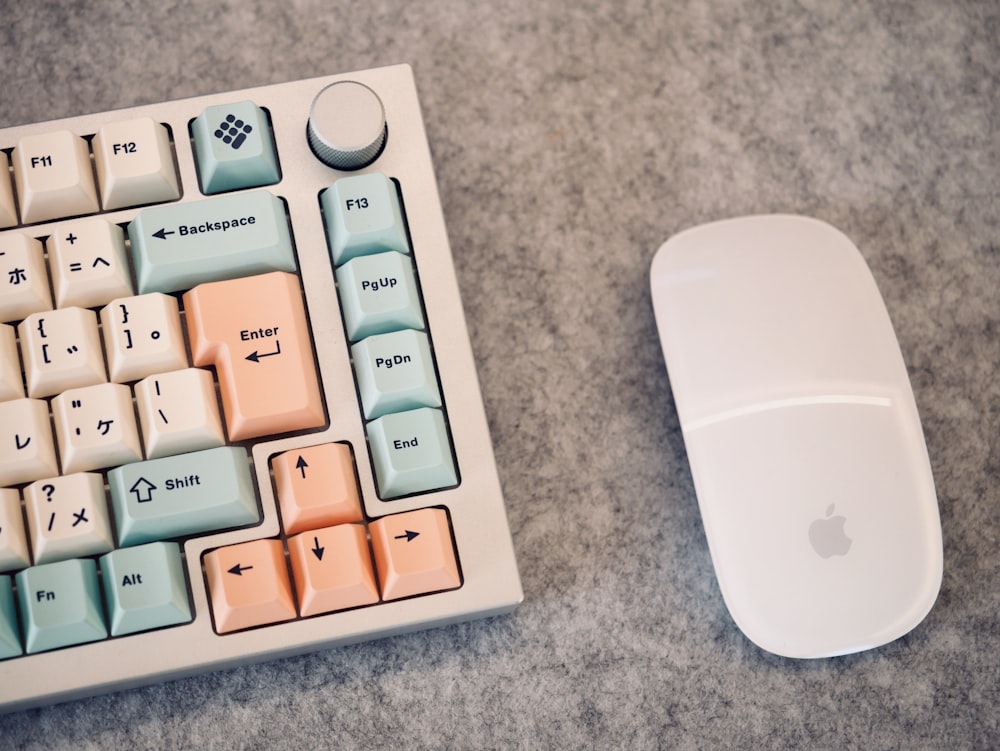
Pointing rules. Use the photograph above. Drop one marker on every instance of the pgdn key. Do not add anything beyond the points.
(253, 330)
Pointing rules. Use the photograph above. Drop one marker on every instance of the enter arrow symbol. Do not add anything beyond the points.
(409, 535)
(238, 569)
(162, 233)
(317, 550)
(255, 357)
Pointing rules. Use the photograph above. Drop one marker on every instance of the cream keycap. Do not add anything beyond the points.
(253, 330)
(68, 517)
(27, 451)
(53, 177)
(24, 282)
(135, 164)
(11, 383)
(142, 336)
(13, 543)
(178, 412)
(95, 426)
(8, 208)
(88, 263)
(61, 349)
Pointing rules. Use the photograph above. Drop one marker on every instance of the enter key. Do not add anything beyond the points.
(254, 331)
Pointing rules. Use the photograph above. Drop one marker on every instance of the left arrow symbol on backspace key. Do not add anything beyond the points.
(239, 569)
(163, 232)
(143, 490)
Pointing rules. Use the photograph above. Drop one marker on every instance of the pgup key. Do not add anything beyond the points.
(253, 330)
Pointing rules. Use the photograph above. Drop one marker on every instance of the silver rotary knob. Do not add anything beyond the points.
(346, 129)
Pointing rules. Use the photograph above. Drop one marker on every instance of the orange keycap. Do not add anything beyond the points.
(414, 553)
(248, 585)
(316, 487)
(332, 569)
(253, 330)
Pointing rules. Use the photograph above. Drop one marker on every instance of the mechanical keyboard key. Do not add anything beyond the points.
(332, 569)
(395, 373)
(262, 353)
(10, 639)
(8, 207)
(142, 336)
(53, 177)
(185, 494)
(135, 164)
(13, 543)
(88, 263)
(145, 587)
(249, 585)
(11, 382)
(95, 427)
(24, 282)
(60, 605)
(27, 450)
(68, 517)
(61, 349)
(316, 487)
(178, 246)
(414, 553)
(233, 145)
(411, 452)
(178, 412)
(378, 294)
(362, 217)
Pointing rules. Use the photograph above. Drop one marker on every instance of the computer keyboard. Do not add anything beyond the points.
(239, 413)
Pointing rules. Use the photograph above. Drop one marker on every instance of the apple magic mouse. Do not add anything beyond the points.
(802, 434)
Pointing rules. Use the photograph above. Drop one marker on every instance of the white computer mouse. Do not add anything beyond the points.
(802, 433)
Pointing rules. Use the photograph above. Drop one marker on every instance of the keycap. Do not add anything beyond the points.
(24, 281)
(378, 294)
(180, 495)
(249, 585)
(13, 543)
(142, 336)
(11, 381)
(95, 427)
(178, 412)
(135, 164)
(332, 569)
(232, 143)
(262, 353)
(68, 517)
(145, 587)
(10, 639)
(177, 246)
(411, 452)
(61, 349)
(88, 263)
(362, 216)
(27, 450)
(8, 207)
(53, 177)
(60, 604)
(414, 553)
(316, 487)
(395, 373)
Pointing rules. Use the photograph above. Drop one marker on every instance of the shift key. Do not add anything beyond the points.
(254, 332)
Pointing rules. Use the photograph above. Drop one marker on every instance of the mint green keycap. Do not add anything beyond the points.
(179, 245)
(10, 641)
(411, 452)
(395, 373)
(145, 587)
(362, 217)
(378, 294)
(234, 148)
(60, 605)
(183, 495)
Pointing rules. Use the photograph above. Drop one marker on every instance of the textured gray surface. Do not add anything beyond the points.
(571, 139)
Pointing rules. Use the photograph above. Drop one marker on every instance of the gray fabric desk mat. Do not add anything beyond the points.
(570, 140)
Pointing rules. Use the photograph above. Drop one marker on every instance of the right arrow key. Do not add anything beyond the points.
(414, 553)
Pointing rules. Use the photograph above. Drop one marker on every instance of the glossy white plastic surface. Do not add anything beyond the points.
(797, 411)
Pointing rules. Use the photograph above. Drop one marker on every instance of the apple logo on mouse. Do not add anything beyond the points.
(827, 535)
